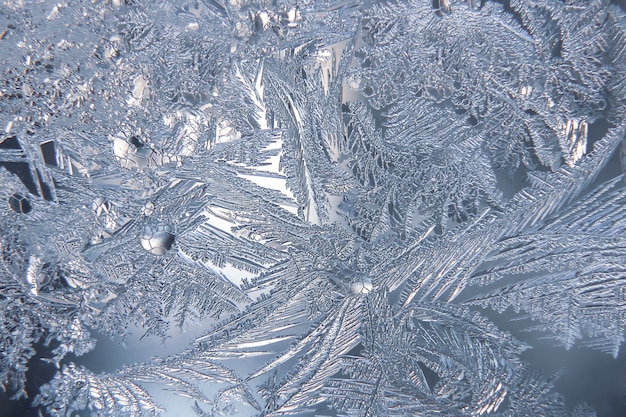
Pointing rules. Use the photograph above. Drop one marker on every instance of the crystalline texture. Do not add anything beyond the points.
(330, 189)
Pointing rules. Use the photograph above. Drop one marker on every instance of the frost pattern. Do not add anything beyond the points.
(331, 188)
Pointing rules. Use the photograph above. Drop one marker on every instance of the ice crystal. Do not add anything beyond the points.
(337, 191)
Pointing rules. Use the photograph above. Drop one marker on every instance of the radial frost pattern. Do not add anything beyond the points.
(318, 207)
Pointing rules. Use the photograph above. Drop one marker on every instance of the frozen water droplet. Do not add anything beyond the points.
(130, 155)
(20, 204)
(148, 209)
(157, 239)
(361, 284)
